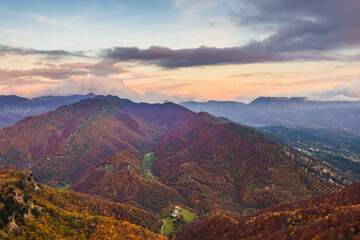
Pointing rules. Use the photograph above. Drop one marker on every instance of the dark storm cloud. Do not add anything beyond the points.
(302, 25)
(298, 30)
(169, 58)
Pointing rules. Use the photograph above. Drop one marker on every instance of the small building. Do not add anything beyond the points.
(175, 213)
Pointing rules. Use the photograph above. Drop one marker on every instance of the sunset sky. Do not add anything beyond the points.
(181, 50)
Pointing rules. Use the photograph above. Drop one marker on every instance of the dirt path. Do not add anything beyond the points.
(152, 176)
(162, 227)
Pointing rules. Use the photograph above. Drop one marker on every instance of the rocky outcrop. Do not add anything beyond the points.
(16, 205)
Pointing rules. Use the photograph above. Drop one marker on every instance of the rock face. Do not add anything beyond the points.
(16, 205)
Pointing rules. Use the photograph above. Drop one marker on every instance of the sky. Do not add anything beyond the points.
(180, 50)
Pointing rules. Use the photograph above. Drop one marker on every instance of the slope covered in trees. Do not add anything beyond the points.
(29, 210)
(217, 165)
(61, 145)
(210, 166)
(332, 216)
(124, 182)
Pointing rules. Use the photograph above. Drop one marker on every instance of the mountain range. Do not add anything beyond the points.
(150, 159)
(289, 112)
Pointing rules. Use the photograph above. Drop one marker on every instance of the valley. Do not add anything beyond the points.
(146, 164)
(338, 149)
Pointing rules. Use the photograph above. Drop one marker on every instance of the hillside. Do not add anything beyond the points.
(332, 216)
(125, 182)
(60, 146)
(33, 211)
(221, 166)
(14, 108)
(210, 165)
(340, 149)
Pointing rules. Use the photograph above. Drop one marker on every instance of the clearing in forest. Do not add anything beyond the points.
(146, 163)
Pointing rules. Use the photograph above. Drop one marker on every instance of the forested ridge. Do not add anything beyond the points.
(33, 211)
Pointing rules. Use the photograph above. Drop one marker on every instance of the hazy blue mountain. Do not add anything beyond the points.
(13, 100)
(290, 112)
(14, 108)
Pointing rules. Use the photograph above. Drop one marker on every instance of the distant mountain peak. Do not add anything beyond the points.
(274, 100)
(12, 100)
(215, 101)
